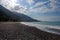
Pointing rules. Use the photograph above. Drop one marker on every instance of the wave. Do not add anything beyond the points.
(48, 28)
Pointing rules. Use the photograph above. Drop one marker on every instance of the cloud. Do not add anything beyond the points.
(40, 7)
(12, 5)
(9, 4)
(30, 2)
(40, 4)
(48, 18)
(19, 8)
(55, 4)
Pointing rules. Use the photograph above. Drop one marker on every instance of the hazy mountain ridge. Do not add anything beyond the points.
(6, 15)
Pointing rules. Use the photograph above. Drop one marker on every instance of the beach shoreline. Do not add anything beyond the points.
(16, 31)
(47, 28)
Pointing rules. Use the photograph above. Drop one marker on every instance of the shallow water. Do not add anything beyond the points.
(51, 27)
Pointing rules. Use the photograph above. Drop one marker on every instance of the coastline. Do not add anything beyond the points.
(16, 31)
(46, 28)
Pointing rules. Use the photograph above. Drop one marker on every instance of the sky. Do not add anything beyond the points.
(44, 10)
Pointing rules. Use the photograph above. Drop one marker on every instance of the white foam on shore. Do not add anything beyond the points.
(42, 27)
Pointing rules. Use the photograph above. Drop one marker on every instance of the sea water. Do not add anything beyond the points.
(48, 23)
(51, 27)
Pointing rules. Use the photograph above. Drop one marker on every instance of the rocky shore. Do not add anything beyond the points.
(18, 31)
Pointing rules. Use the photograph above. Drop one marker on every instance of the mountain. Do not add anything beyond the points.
(6, 15)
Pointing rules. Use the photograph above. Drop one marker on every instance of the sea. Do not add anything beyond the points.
(51, 27)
